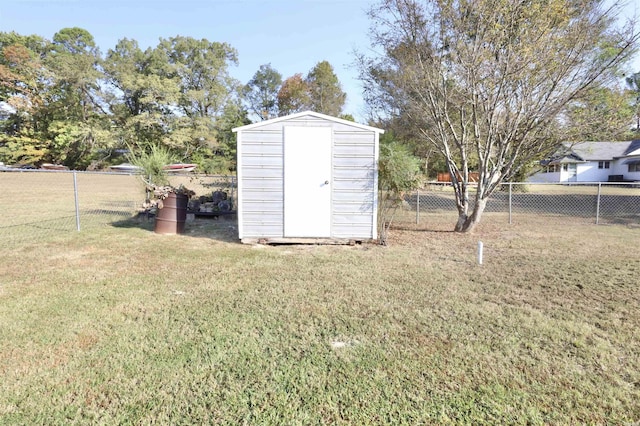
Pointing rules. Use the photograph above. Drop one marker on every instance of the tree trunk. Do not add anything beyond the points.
(467, 223)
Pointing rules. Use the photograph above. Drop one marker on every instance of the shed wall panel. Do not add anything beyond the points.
(262, 195)
(261, 206)
(262, 183)
(273, 183)
(262, 149)
(262, 160)
(352, 218)
(352, 207)
(356, 184)
(352, 231)
(353, 177)
(258, 172)
(260, 230)
(352, 197)
(354, 162)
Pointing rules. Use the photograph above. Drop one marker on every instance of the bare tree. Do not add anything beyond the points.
(633, 83)
(486, 82)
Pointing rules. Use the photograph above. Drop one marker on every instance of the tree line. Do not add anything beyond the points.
(62, 101)
(484, 86)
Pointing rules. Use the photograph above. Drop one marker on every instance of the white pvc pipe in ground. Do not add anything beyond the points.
(480, 247)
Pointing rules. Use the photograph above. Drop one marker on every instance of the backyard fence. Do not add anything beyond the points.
(597, 203)
(37, 204)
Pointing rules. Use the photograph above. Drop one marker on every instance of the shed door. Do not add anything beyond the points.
(307, 181)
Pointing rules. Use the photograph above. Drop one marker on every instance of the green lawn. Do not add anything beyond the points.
(123, 326)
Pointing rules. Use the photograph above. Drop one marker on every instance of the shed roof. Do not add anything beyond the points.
(312, 114)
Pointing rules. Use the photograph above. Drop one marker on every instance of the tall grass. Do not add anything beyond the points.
(125, 326)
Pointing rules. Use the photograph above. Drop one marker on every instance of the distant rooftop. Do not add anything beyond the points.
(596, 151)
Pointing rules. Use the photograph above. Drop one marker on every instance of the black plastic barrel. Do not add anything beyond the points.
(171, 217)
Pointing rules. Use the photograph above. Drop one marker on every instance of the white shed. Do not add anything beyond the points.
(307, 177)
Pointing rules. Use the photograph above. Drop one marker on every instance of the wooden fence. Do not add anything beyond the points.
(446, 177)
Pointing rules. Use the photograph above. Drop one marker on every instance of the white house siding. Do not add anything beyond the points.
(585, 172)
(541, 177)
(589, 172)
(632, 176)
(618, 168)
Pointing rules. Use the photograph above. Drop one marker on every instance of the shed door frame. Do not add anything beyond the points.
(307, 181)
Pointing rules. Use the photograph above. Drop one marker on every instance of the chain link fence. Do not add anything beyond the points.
(597, 203)
(39, 204)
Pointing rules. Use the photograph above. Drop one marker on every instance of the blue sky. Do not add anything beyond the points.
(292, 35)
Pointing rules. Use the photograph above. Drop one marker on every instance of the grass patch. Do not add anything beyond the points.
(124, 326)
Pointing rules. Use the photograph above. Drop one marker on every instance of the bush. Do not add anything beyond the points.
(398, 172)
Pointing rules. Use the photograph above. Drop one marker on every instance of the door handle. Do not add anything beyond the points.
(326, 182)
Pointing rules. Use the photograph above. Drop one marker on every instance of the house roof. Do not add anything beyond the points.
(634, 148)
(312, 114)
(596, 151)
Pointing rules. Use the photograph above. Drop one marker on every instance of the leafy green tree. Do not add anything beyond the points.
(398, 172)
(19, 71)
(202, 69)
(36, 44)
(22, 88)
(261, 92)
(221, 159)
(64, 103)
(143, 93)
(600, 114)
(139, 79)
(320, 91)
(400, 129)
(206, 89)
(633, 83)
(293, 95)
(74, 59)
(177, 95)
(325, 92)
(488, 82)
(75, 116)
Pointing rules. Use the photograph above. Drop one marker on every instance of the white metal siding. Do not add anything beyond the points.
(354, 167)
(261, 172)
(261, 178)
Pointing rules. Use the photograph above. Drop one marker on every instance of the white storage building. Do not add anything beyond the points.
(307, 177)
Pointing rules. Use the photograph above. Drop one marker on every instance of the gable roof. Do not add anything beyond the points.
(634, 148)
(597, 151)
(311, 114)
(582, 152)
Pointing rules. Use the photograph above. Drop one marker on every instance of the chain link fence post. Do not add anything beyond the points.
(598, 204)
(417, 206)
(75, 195)
(510, 204)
